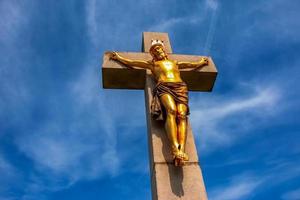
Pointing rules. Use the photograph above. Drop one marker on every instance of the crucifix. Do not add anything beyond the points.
(165, 77)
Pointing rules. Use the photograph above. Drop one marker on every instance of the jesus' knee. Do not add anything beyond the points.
(181, 115)
(171, 111)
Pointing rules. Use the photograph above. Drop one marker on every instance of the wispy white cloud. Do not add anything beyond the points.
(238, 188)
(14, 94)
(284, 20)
(209, 8)
(168, 24)
(12, 20)
(206, 16)
(7, 170)
(257, 24)
(219, 122)
(213, 4)
(283, 172)
(10, 175)
(82, 147)
(291, 195)
(73, 144)
(108, 31)
(78, 140)
(91, 21)
(242, 186)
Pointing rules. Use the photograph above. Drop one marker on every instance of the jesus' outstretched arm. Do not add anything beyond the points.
(194, 65)
(130, 63)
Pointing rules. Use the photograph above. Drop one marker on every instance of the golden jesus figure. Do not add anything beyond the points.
(170, 96)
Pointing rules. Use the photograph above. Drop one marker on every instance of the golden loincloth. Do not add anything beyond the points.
(179, 92)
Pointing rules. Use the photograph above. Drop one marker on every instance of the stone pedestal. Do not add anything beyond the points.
(167, 181)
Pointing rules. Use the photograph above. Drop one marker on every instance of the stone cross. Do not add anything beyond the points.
(167, 181)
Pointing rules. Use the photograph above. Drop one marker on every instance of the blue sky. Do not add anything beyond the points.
(63, 137)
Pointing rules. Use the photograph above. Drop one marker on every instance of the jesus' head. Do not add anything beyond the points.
(157, 51)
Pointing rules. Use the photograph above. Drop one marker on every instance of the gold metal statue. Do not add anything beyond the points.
(170, 96)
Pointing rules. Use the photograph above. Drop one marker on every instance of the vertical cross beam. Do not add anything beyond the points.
(167, 181)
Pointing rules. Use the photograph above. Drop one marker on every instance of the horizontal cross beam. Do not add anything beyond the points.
(116, 76)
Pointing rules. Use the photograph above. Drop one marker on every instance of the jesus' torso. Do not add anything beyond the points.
(166, 71)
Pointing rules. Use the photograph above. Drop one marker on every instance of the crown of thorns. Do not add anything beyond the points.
(155, 43)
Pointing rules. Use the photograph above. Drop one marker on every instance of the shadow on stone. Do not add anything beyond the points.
(176, 180)
(175, 173)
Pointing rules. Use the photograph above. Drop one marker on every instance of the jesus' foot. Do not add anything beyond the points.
(184, 156)
(178, 162)
(179, 157)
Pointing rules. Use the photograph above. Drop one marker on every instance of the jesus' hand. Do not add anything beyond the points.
(204, 61)
(113, 55)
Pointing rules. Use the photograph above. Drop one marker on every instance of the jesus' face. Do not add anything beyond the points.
(158, 53)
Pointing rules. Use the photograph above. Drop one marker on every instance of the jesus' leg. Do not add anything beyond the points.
(170, 124)
(182, 128)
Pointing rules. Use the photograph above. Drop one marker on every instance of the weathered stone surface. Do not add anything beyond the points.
(178, 182)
